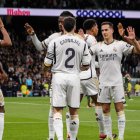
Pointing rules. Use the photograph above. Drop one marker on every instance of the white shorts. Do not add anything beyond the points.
(1, 98)
(65, 90)
(107, 93)
(90, 87)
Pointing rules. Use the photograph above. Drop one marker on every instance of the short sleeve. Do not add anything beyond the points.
(90, 40)
(126, 48)
(86, 56)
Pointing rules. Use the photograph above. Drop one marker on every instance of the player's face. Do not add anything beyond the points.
(95, 30)
(107, 31)
(60, 23)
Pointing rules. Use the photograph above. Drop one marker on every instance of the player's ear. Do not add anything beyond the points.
(112, 30)
(75, 28)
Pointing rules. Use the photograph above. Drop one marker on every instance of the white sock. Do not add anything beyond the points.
(108, 125)
(99, 118)
(68, 123)
(121, 124)
(1, 125)
(50, 124)
(58, 125)
(74, 126)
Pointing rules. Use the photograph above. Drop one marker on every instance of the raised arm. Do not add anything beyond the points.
(121, 30)
(34, 38)
(131, 38)
(6, 41)
(3, 75)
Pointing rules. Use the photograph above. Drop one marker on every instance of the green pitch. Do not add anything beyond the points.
(26, 119)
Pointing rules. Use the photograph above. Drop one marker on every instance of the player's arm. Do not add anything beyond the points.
(47, 70)
(37, 43)
(84, 67)
(48, 61)
(86, 59)
(121, 30)
(6, 41)
(4, 76)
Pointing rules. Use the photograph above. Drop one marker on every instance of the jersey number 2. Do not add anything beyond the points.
(68, 51)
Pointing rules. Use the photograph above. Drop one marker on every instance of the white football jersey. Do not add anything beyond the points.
(67, 53)
(91, 41)
(109, 57)
(46, 42)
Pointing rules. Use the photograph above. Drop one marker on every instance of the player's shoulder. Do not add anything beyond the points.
(78, 36)
(122, 44)
(100, 43)
(89, 37)
(54, 35)
(119, 41)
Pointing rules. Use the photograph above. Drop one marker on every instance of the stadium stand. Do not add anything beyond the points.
(74, 4)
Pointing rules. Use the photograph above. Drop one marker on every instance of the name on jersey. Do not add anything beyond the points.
(70, 41)
(107, 57)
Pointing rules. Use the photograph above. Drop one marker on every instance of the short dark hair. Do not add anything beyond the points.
(89, 23)
(69, 23)
(107, 23)
(66, 14)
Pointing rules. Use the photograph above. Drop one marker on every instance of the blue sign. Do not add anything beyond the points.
(100, 13)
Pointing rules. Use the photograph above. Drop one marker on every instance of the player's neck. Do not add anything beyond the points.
(90, 33)
(108, 40)
(70, 33)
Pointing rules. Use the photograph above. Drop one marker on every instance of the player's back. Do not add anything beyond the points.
(45, 43)
(91, 41)
(68, 54)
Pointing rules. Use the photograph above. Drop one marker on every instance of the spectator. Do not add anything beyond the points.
(23, 89)
(29, 83)
(137, 88)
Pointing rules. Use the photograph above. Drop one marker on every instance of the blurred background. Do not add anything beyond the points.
(23, 62)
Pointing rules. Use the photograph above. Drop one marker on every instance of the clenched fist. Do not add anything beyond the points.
(29, 29)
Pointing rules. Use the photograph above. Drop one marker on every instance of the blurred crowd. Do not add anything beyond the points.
(23, 63)
(131, 65)
(74, 4)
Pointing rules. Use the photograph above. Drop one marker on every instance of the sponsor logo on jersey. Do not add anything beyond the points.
(101, 50)
(114, 49)
(107, 57)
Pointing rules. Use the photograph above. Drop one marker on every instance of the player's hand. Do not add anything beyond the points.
(131, 33)
(121, 30)
(1, 23)
(29, 29)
